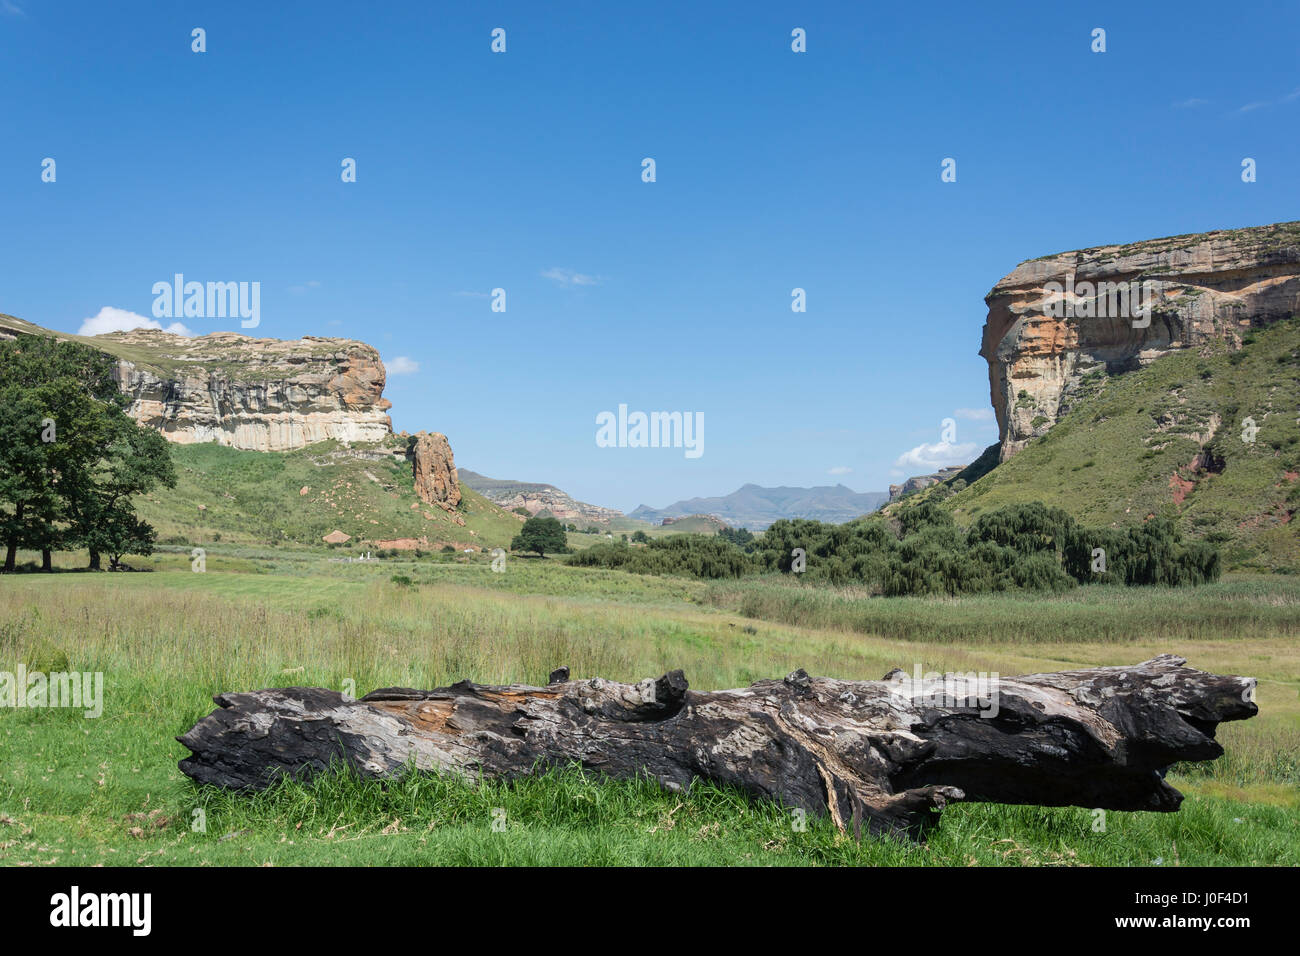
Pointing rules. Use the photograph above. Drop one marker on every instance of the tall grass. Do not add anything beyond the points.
(96, 790)
(1242, 608)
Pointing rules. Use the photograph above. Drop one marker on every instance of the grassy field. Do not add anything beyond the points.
(107, 790)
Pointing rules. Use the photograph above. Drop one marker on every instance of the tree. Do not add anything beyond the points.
(70, 456)
(134, 460)
(740, 537)
(640, 537)
(541, 535)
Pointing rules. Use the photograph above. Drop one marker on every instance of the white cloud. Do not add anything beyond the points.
(1260, 104)
(927, 458)
(974, 414)
(401, 365)
(567, 277)
(840, 470)
(110, 319)
(1191, 103)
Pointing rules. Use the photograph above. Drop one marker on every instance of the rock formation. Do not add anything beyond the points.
(258, 394)
(917, 482)
(1045, 344)
(537, 499)
(435, 470)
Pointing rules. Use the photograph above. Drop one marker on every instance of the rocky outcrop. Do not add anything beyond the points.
(917, 482)
(1058, 325)
(555, 503)
(258, 394)
(434, 470)
(537, 499)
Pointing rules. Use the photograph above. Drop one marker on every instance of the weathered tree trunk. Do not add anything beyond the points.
(47, 564)
(11, 546)
(94, 560)
(884, 755)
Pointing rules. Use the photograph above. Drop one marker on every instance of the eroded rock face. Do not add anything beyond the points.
(258, 394)
(917, 482)
(435, 470)
(557, 504)
(1043, 355)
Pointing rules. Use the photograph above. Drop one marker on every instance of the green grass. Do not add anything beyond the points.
(108, 790)
(1112, 461)
(251, 497)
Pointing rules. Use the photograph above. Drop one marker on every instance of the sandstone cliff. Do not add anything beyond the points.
(268, 395)
(257, 394)
(1046, 347)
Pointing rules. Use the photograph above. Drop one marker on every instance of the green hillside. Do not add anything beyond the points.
(1168, 440)
(254, 497)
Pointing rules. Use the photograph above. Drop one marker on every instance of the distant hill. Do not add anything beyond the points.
(538, 499)
(695, 524)
(755, 507)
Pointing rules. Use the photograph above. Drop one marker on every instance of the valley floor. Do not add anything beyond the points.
(89, 791)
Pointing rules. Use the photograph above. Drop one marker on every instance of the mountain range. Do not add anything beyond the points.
(755, 507)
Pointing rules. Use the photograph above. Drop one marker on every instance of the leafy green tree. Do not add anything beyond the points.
(70, 456)
(541, 535)
(740, 537)
(133, 461)
(640, 537)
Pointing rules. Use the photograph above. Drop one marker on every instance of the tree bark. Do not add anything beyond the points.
(94, 560)
(11, 549)
(884, 755)
(46, 563)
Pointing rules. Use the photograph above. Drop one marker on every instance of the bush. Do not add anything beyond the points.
(922, 551)
(702, 556)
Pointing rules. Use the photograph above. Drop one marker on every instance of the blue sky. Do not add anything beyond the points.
(522, 171)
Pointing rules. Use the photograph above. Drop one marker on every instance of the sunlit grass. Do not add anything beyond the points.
(80, 790)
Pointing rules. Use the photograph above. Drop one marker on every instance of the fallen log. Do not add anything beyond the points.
(882, 755)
